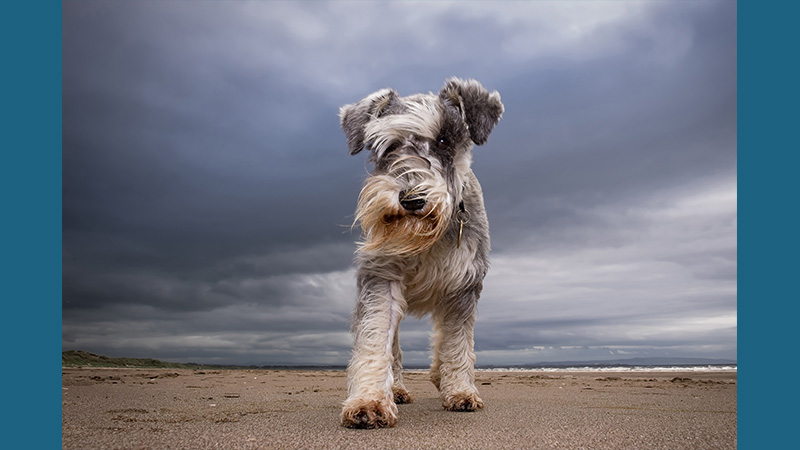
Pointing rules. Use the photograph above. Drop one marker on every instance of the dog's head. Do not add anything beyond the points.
(420, 146)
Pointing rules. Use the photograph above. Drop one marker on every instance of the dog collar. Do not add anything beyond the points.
(463, 217)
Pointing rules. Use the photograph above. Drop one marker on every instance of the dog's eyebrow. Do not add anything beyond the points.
(422, 118)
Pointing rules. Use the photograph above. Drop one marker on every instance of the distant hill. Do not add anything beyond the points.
(79, 358)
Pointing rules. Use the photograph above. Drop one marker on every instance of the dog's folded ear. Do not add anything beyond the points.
(481, 109)
(355, 117)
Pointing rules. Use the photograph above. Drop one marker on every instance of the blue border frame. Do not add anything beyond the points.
(30, 189)
(768, 76)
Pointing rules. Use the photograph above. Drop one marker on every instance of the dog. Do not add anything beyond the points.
(425, 242)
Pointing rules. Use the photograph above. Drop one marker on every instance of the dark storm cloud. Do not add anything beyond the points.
(616, 130)
(175, 160)
(208, 194)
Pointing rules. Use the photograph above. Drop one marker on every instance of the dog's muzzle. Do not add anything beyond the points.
(411, 202)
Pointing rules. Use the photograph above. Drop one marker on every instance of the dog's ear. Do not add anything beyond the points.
(481, 109)
(355, 117)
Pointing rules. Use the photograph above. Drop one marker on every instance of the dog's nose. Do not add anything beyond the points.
(411, 202)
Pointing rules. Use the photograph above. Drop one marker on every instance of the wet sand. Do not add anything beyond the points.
(286, 409)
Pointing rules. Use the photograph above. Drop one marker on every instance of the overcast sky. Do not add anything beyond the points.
(208, 192)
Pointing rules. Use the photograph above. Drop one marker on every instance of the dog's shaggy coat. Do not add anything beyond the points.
(425, 242)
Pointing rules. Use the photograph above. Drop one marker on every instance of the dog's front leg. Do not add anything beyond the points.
(401, 394)
(370, 402)
(453, 370)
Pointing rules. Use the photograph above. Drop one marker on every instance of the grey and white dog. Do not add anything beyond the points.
(425, 242)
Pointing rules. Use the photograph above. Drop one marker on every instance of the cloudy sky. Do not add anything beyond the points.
(208, 192)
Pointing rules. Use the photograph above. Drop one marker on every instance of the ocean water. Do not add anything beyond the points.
(701, 368)
(610, 368)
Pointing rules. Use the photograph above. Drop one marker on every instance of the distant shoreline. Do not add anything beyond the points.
(416, 370)
(79, 358)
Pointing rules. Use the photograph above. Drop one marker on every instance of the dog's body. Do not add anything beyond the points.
(425, 242)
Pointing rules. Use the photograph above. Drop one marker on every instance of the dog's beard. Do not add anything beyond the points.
(387, 228)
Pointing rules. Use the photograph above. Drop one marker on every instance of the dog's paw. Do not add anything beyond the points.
(463, 401)
(401, 396)
(368, 414)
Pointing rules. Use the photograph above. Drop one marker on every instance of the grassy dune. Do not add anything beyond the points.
(79, 358)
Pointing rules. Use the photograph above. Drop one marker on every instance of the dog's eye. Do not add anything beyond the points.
(442, 143)
(392, 147)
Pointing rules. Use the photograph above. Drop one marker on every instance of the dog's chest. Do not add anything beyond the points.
(438, 275)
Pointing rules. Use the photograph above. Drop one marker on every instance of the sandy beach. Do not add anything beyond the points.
(287, 409)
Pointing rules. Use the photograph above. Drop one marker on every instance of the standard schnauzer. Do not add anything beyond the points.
(425, 242)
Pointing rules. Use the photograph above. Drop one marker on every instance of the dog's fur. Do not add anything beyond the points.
(425, 242)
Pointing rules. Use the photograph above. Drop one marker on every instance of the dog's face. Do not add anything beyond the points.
(420, 146)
